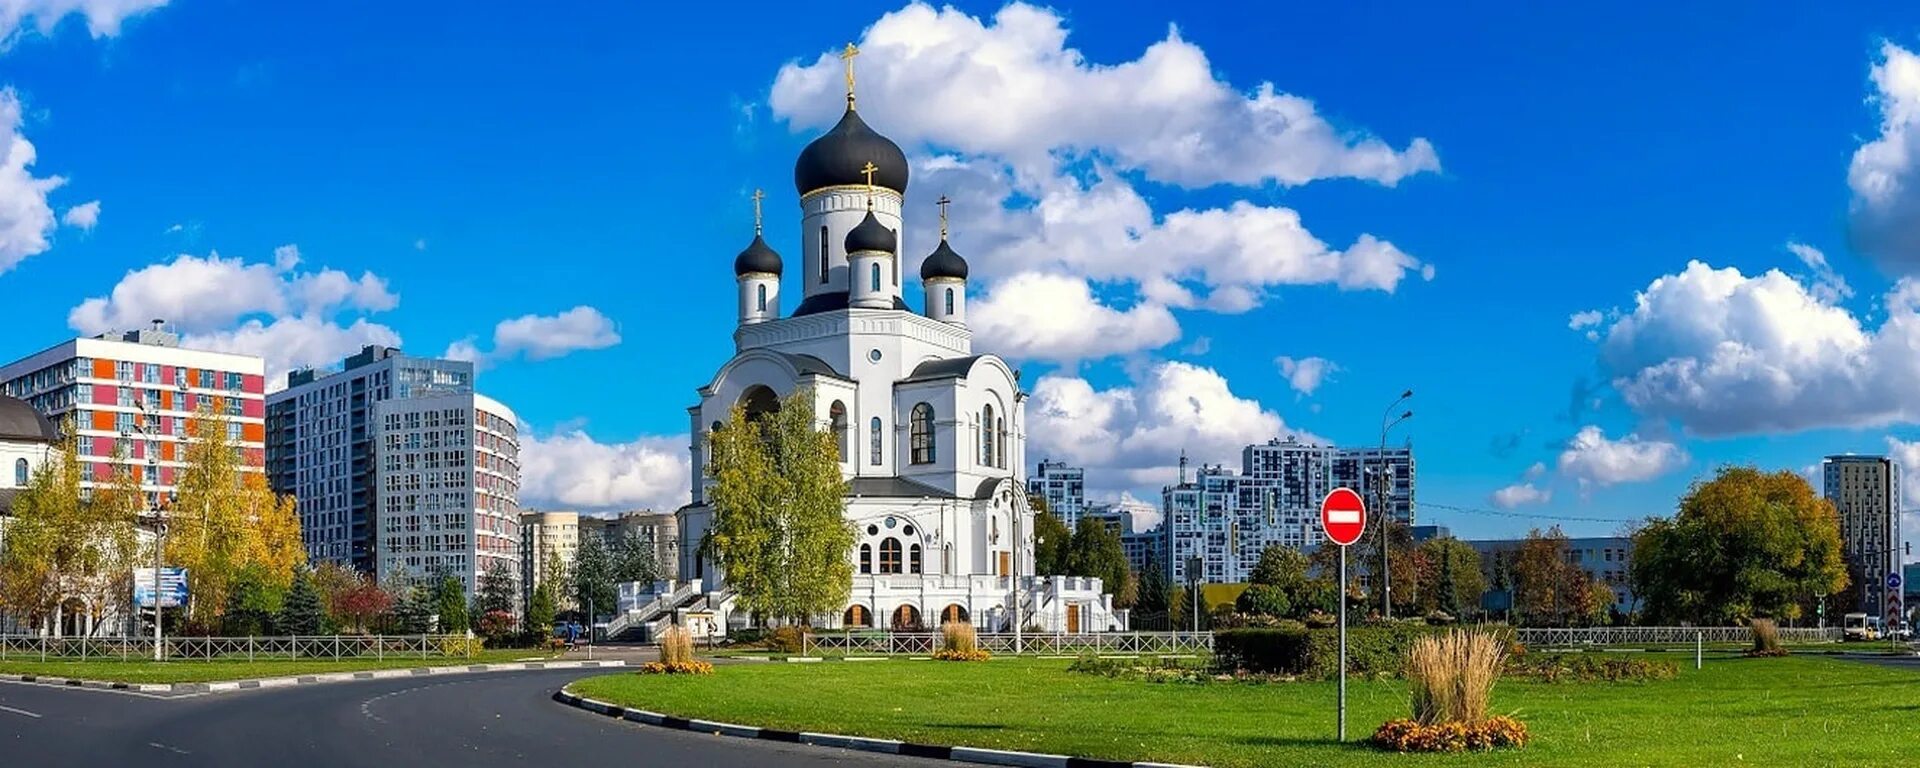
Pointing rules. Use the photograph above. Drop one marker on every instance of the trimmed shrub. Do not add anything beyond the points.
(787, 639)
(1264, 600)
(1581, 667)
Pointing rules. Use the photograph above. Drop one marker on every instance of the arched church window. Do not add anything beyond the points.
(949, 301)
(890, 555)
(866, 558)
(874, 450)
(837, 417)
(875, 271)
(986, 435)
(20, 473)
(710, 432)
(823, 255)
(1000, 443)
(913, 559)
(763, 298)
(896, 260)
(920, 434)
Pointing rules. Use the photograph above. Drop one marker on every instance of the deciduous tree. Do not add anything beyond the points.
(1096, 551)
(1051, 542)
(593, 582)
(1453, 582)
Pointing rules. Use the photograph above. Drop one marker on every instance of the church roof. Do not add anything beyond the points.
(951, 368)
(943, 262)
(900, 487)
(807, 364)
(835, 159)
(19, 421)
(828, 302)
(757, 258)
(870, 236)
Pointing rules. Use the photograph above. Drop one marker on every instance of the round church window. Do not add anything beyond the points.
(874, 355)
(873, 530)
(891, 522)
(907, 530)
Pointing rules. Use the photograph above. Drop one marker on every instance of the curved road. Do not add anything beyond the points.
(471, 720)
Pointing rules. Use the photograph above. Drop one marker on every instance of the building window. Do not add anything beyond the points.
(866, 558)
(763, 298)
(986, 435)
(875, 271)
(20, 473)
(875, 449)
(890, 555)
(823, 255)
(837, 419)
(949, 301)
(920, 434)
(913, 559)
(1000, 445)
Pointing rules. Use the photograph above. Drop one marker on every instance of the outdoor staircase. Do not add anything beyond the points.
(638, 619)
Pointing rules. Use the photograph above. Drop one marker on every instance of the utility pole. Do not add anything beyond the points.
(1384, 470)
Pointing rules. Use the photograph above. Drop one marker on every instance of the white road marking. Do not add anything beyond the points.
(5, 708)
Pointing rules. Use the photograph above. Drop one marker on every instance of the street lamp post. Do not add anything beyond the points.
(159, 521)
(1194, 564)
(1383, 482)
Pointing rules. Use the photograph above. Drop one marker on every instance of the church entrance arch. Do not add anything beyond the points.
(906, 618)
(857, 616)
(953, 613)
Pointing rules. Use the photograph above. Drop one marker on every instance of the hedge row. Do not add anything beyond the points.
(1315, 653)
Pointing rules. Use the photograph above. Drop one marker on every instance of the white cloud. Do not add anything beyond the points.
(103, 17)
(293, 342)
(1885, 213)
(1907, 455)
(1129, 436)
(1579, 320)
(1828, 285)
(83, 216)
(1723, 353)
(1011, 87)
(540, 337)
(1305, 374)
(26, 219)
(1055, 317)
(572, 470)
(1520, 494)
(1591, 458)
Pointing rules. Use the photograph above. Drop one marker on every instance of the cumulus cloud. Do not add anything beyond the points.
(1305, 374)
(1725, 353)
(1594, 459)
(83, 216)
(1828, 285)
(1128, 436)
(540, 337)
(1519, 495)
(1010, 86)
(1907, 455)
(103, 17)
(285, 316)
(26, 220)
(1885, 212)
(569, 469)
(1055, 317)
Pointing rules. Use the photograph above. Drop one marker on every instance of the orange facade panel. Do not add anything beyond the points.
(102, 369)
(103, 420)
(253, 433)
(166, 452)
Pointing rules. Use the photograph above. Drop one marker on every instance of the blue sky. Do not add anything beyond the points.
(442, 170)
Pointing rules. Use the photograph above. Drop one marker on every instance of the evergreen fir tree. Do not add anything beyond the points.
(412, 611)
(450, 604)
(540, 610)
(1449, 602)
(302, 614)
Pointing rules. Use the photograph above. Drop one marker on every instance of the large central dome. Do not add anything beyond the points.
(835, 159)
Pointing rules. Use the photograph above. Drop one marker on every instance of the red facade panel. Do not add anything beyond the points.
(104, 394)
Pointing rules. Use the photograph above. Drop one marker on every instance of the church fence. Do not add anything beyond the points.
(1554, 637)
(1004, 643)
(237, 648)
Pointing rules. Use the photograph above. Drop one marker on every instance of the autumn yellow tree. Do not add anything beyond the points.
(224, 520)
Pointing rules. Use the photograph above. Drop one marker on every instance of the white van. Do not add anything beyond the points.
(1859, 626)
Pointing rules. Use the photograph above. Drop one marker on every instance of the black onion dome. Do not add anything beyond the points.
(943, 262)
(758, 257)
(835, 159)
(870, 235)
(19, 421)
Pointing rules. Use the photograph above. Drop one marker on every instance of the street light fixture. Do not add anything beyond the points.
(1383, 474)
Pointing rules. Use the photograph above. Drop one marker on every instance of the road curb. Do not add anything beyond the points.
(224, 686)
(861, 743)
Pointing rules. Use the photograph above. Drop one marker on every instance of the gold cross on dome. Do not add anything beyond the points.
(943, 202)
(847, 56)
(869, 170)
(758, 195)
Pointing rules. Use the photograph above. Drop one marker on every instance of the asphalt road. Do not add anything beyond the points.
(473, 721)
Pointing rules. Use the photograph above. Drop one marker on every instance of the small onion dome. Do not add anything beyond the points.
(870, 235)
(943, 262)
(835, 159)
(757, 258)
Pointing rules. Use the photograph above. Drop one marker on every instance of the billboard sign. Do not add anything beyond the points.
(173, 587)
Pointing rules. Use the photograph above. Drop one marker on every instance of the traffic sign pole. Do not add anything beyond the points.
(1343, 643)
(1343, 518)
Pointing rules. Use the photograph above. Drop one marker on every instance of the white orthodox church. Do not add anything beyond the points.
(931, 434)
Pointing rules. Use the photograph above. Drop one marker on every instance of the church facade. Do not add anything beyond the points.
(931, 435)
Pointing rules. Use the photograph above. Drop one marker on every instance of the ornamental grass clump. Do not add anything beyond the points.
(1766, 638)
(1452, 676)
(959, 641)
(676, 656)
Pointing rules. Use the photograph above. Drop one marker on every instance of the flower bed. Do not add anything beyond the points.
(1406, 735)
(695, 667)
(961, 655)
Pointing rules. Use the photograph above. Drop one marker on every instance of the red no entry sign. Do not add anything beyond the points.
(1343, 516)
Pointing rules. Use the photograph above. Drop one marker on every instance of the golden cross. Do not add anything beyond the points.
(869, 171)
(847, 56)
(943, 202)
(758, 195)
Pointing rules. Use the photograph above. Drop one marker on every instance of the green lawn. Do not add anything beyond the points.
(1791, 711)
(149, 671)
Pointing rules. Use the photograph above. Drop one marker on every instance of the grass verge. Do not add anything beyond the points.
(1783, 711)
(150, 671)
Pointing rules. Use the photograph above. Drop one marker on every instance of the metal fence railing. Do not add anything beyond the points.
(923, 643)
(238, 648)
(1568, 636)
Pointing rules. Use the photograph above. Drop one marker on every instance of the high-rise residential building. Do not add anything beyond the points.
(448, 487)
(657, 529)
(1227, 518)
(320, 449)
(1064, 488)
(1866, 491)
(547, 540)
(129, 397)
